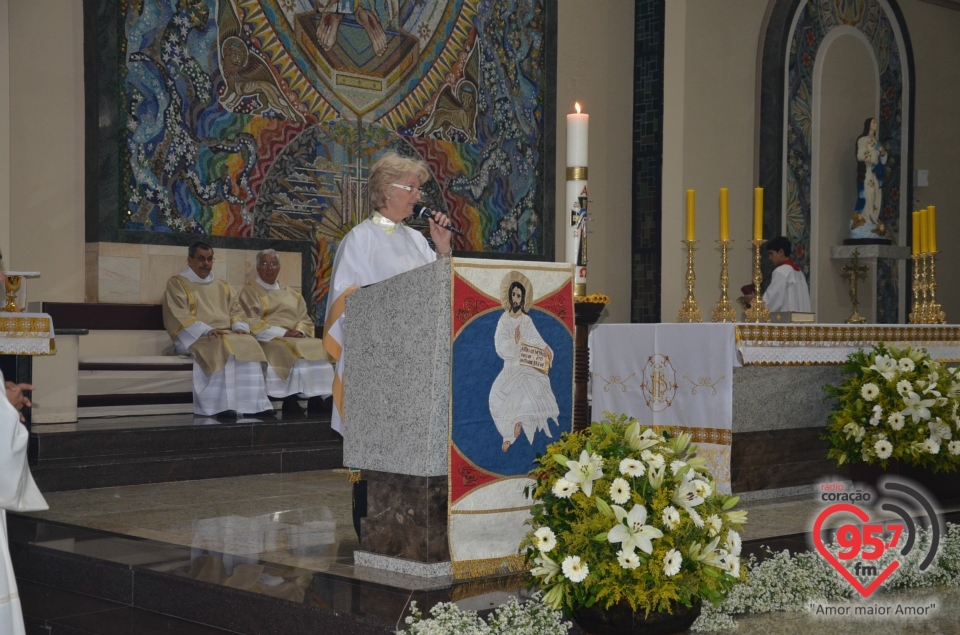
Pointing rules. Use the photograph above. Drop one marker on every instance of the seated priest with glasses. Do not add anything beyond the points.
(200, 313)
(297, 365)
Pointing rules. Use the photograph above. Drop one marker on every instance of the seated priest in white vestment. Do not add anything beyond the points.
(379, 248)
(198, 313)
(297, 364)
(788, 289)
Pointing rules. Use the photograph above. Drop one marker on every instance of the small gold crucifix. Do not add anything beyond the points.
(854, 271)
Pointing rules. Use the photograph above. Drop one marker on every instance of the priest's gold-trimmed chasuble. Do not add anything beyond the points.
(286, 309)
(215, 305)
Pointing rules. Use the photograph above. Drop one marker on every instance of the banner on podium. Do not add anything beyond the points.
(512, 395)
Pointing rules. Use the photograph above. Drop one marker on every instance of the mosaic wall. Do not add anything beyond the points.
(260, 118)
(817, 19)
(647, 160)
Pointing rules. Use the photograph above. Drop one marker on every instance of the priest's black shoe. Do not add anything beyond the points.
(265, 414)
(317, 405)
(227, 415)
(291, 406)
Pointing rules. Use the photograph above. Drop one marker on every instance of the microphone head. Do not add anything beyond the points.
(422, 212)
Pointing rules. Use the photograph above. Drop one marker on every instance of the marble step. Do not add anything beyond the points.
(55, 475)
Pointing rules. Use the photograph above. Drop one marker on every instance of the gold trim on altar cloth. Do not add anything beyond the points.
(25, 327)
(465, 569)
(779, 334)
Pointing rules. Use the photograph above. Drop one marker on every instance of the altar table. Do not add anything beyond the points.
(688, 376)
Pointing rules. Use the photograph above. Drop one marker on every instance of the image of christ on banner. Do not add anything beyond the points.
(521, 398)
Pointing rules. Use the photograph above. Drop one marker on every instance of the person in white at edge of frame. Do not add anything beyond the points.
(18, 493)
(379, 248)
(198, 313)
(521, 399)
(277, 316)
(788, 289)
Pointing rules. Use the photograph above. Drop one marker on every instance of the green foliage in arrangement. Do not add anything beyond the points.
(623, 512)
(895, 405)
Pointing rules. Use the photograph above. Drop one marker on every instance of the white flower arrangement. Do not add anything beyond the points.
(635, 517)
(513, 618)
(895, 405)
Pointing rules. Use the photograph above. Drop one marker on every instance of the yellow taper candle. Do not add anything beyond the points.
(691, 215)
(924, 238)
(932, 227)
(758, 213)
(916, 233)
(724, 214)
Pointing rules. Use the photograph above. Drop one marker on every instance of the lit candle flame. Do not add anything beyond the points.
(577, 106)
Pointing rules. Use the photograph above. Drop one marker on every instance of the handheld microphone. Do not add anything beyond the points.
(424, 213)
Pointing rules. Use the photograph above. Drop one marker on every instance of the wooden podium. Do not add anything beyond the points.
(450, 391)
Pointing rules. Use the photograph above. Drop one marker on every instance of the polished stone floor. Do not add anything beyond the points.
(278, 534)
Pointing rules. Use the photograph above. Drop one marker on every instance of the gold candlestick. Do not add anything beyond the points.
(924, 289)
(724, 312)
(758, 311)
(916, 315)
(690, 312)
(935, 315)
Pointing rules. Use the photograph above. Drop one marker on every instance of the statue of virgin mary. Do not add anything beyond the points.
(871, 162)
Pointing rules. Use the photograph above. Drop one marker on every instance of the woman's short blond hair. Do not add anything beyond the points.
(391, 168)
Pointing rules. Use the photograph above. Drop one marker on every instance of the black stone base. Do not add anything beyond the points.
(868, 241)
(406, 517)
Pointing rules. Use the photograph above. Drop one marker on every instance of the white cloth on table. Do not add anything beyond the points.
(369, 254)
(17, 492)
(239, 386)
(671, 375)
(520, 394)
(788, 291)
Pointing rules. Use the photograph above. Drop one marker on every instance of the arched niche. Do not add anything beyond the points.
(796, 41)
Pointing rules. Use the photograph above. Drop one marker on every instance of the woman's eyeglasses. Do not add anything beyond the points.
(408, 188)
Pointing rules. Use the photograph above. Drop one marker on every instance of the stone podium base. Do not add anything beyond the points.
(402, 565)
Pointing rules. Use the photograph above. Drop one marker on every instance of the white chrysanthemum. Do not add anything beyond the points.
(903, 387)
(906, 365)
(703, 488)
(544, 539)
(676, 466)
(869, 391)
(954, 447)
(574, 569)
(883, 449)
(564, 488)
(896, 421)
(731, 564)
(671, 563)
(654, 460)
(670, 517)
(632, 467)
(714, 525)
(619, 491)
(733, 543)
(628, 559)
(931, 446)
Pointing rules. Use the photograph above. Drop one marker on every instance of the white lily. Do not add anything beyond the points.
(687, 493)
(634, 533)
(640, 440)
(916, 407)
(585, 471)
(886, 366)
(655, 476)
(545, 568)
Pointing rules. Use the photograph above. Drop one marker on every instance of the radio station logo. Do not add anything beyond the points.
(869, 533)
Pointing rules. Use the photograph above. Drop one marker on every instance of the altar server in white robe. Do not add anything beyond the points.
(788, 289)
(198, 313)
(277, 316)
(18, 493)
(379, 248)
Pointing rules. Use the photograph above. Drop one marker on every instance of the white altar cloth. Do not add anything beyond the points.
(26, 334)
(678, 375)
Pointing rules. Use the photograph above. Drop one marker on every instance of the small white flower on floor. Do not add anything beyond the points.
(671, 563)
(575, 570)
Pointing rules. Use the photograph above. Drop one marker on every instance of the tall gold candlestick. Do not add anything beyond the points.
(690, 312)
(724, 312)
(916, 315)
(925, 288)
(758, 311)
(935, 314)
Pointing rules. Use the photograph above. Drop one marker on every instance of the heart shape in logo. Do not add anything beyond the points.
(829, 557)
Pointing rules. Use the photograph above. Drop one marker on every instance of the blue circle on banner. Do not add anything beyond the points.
(475, 367)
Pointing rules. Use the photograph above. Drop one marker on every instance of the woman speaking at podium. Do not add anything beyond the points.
(379, 248)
